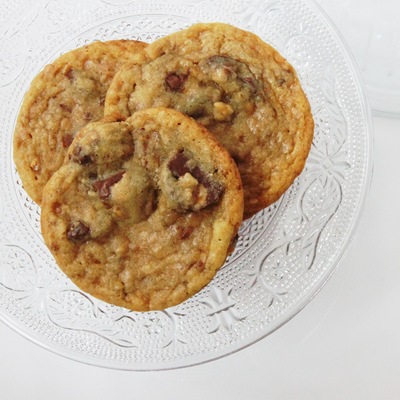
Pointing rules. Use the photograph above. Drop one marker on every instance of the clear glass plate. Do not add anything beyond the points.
(371, 28)
(284, 255)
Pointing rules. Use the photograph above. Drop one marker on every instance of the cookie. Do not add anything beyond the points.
(144, 211)
(65, 96)
(237, 86)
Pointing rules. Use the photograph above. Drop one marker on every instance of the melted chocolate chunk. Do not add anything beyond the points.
(214, 191)
(174, 81)
(103, 187)
(78, 232)
(179, 165)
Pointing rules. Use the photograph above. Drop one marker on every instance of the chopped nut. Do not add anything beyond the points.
(222, 111)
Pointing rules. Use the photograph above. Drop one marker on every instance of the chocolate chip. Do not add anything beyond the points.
(85, 160)
(78, 232)
(103, 187)
(174, 81)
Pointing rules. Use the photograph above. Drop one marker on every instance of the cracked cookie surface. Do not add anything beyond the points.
(237, 86)
(143, 212)
(65, 96)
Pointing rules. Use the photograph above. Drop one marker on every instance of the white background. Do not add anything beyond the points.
(344, 345)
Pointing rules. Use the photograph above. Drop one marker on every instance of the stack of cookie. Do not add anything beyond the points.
(146, 158)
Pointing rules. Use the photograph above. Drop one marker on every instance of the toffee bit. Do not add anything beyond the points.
(67, 140)
(69, 73)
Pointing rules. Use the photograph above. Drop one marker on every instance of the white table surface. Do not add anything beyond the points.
(344, 345)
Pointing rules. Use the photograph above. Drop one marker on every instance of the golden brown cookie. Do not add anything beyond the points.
(65, 96)
(237, 86)
(143, 212)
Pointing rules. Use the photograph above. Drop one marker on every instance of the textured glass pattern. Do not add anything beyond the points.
(284, 254)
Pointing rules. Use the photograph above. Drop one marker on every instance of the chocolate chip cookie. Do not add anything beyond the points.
(144, 211)
(237, 86)
(65, 96)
